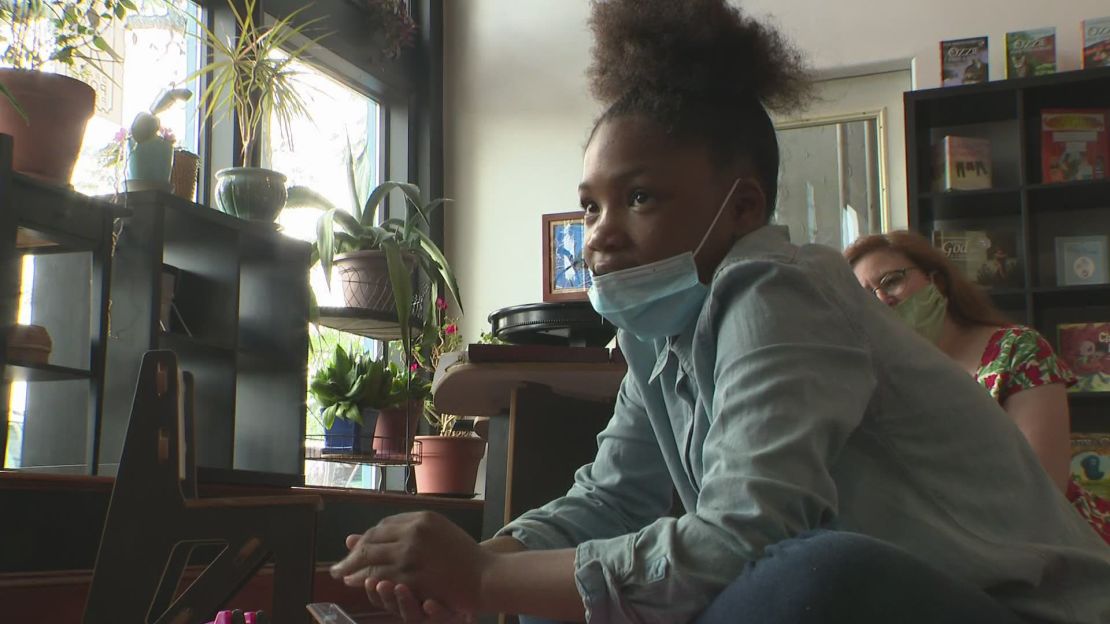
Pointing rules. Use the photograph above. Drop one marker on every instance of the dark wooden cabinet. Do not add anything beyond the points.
(1036, 211)
(56, 423)
(240, 325)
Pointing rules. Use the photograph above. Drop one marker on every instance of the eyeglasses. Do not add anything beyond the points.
(892, 283)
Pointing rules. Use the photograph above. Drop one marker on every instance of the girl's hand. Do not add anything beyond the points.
(413, 560)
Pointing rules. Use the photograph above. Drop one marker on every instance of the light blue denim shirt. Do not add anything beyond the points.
(799, 401)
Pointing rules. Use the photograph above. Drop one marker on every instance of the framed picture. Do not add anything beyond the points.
(565, 277)
(1081, 260)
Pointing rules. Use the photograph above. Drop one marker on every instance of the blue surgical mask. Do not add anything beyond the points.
(657, 299)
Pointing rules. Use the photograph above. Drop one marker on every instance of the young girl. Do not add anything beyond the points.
(1014, 364)
(833, 466)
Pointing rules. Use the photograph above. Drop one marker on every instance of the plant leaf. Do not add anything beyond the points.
(400, 279)
(445, 272)
(304, 197)
(342, 361)
(353, 414)
(168, 98)
(10, 97)
(325, 242)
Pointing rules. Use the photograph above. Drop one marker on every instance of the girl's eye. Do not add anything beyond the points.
(639, 197)
(588, 206)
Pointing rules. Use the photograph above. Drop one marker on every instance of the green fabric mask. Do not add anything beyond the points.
(924, 312)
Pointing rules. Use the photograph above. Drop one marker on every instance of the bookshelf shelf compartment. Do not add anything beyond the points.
(971, 205)
(21, 371)
(1065, 196)
(1072, 296)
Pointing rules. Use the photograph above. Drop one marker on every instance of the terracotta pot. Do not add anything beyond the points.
(448, 464)
(29, 344)
(59, 107)
(392, 434)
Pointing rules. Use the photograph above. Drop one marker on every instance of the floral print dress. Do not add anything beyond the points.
(1018, 358)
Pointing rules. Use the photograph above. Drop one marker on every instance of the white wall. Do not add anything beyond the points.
(517, 110)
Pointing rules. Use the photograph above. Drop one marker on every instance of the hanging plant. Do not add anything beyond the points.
(392, 21)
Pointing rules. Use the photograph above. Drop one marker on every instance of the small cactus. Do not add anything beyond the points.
(146, 124)
(145, 127)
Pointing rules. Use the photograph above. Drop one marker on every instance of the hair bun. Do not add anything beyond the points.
(699, 48)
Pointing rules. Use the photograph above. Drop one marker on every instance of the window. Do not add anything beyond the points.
(160, 48)
(830, 189)
(344, 121)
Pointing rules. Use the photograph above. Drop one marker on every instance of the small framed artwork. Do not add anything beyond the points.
(565, 277)
(1081, 260)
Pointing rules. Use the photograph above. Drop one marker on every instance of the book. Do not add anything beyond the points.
(1031, 53)
(1085, 347)
(1081, 260)
(962, 164)
(1074, 145)
(989, 259)
(1096, 42)
(1090, 462)
(964, 61)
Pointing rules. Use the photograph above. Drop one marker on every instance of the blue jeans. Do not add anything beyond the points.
(830, 577)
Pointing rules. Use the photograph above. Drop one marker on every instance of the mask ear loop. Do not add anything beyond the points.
(717, 218)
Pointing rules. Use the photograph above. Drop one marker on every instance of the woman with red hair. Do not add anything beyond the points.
(1015, 364)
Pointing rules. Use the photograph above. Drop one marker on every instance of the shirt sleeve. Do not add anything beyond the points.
(626, 486)
(793, 379)
(1032, 363)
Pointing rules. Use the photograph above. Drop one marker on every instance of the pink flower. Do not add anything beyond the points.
(451, 329)
(414, 367)
(121, 135)
(441, 303)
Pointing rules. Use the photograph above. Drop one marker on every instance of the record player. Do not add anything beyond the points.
(564, 323)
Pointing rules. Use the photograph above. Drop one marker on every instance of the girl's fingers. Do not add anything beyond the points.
(385, 594)
(407, 604)
(371, 584)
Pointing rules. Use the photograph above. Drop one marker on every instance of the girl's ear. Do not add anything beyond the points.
(749, 205)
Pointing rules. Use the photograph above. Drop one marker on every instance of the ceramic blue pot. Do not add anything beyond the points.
(251, 193)
(346, 436)
(149, 165)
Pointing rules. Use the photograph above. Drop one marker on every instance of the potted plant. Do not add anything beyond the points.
(254, 78)
(449, 457)
(399, 413)
(381, 266)
(347, 389)
(45, 112)
(392, 26)
(150, 150)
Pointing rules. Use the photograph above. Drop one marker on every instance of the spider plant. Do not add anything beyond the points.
(340, 231)
(254, 75)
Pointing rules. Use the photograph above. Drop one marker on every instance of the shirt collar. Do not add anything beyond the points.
(767, 241)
